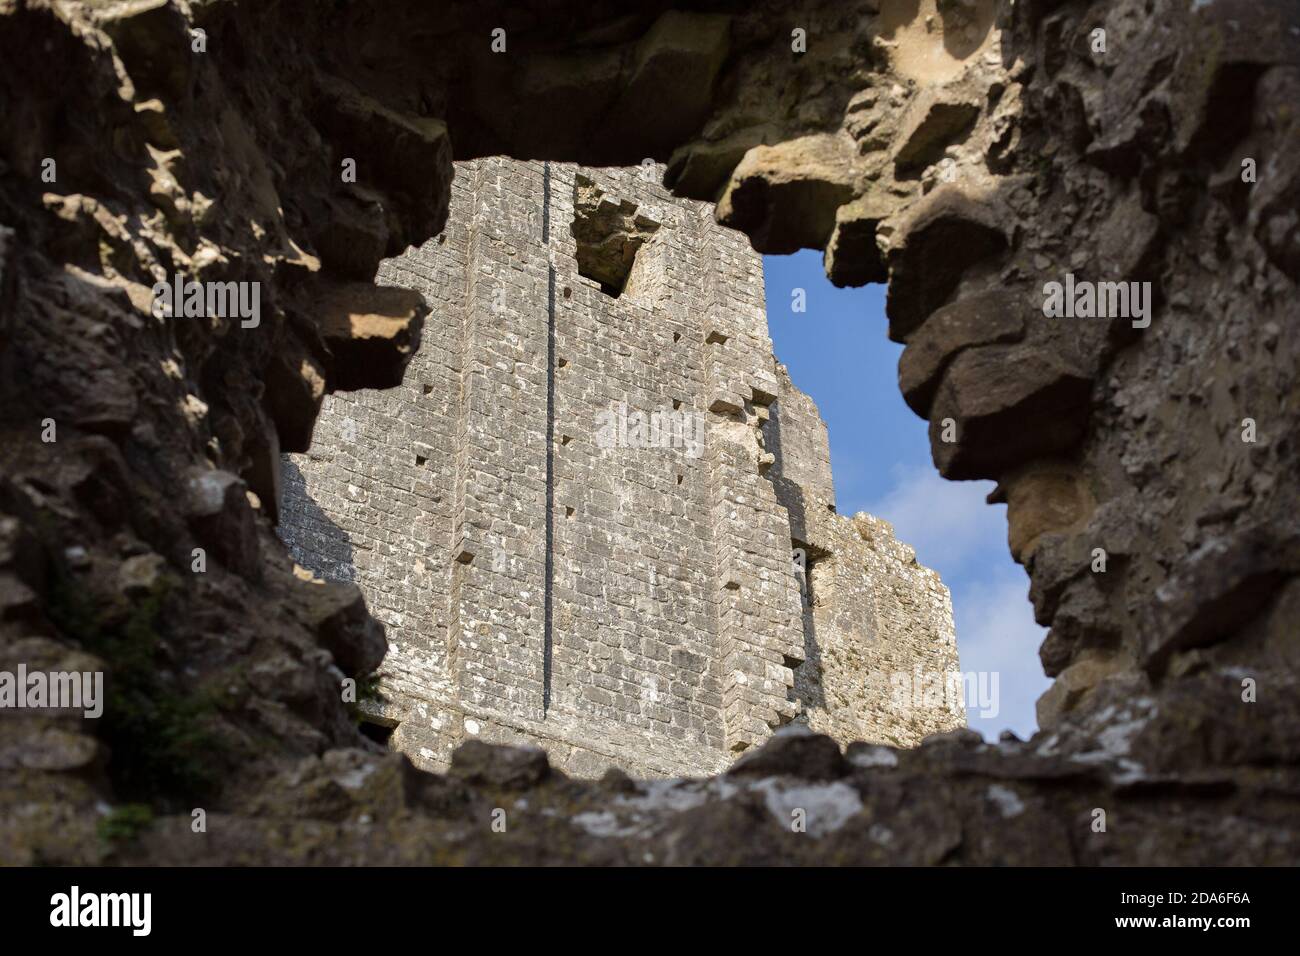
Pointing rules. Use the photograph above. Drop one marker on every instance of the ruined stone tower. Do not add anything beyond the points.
(576, 517)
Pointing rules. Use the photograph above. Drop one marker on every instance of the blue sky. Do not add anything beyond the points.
(837, 352)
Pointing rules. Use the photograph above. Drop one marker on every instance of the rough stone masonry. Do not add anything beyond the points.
(597, 515)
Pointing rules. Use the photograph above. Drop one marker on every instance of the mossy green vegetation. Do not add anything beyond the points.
(124, 823)
(161, 749)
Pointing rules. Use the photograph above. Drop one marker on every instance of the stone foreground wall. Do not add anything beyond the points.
(575, 516)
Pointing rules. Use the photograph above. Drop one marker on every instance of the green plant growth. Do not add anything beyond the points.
(124, 823)
(160, 747)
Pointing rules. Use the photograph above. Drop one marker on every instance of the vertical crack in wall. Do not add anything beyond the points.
(550, 440)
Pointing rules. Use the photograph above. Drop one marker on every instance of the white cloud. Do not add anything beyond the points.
(947, 522)
(955, 532)
(996, 633)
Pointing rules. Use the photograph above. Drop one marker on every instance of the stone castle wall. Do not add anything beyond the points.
(553, 568)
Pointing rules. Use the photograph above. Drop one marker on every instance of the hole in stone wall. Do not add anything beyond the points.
(379, 733)
(609, 233)
(799, 557)
(610, 250)
(806, 558)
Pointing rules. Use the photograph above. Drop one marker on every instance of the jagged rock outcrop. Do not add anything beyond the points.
(967, 150)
